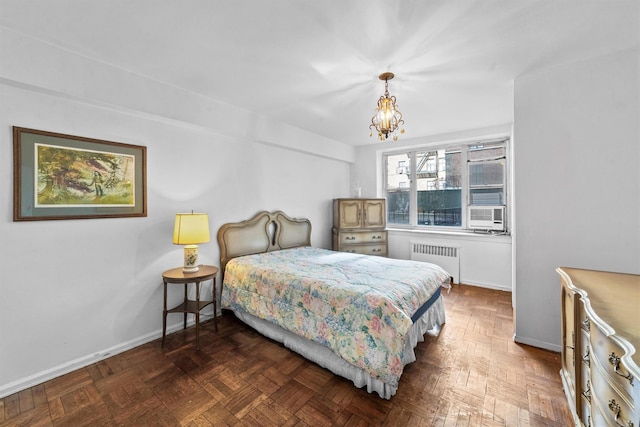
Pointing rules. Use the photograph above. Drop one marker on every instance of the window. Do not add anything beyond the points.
(486, 174)
(432, 187)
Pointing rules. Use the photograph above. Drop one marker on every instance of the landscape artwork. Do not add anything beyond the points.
(71, 177)
(58, 176)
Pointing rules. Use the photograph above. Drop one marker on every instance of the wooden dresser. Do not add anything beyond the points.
(359, 226)
(601, 346)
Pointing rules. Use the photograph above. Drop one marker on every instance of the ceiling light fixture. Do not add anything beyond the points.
(387, 118)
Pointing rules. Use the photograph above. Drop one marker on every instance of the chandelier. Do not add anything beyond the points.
(387, 118)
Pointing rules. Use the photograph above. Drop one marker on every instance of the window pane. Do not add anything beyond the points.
(486, 173)
(493, 196)
(398, 187)
(486, 182)
(486, 151)
(439, 178)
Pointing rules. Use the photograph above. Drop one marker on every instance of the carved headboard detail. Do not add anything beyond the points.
(265, 232)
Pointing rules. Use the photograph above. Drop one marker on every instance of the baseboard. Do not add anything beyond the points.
(81, 362)
(540, 344)
(485, 285)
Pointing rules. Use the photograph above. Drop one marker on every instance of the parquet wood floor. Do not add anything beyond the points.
(472, 374)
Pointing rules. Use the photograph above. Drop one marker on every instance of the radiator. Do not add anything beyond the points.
(447, 257)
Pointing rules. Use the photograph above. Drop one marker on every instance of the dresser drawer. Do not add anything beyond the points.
(606, 354)
(584, 400)
(380, 250)
(607, 403)
(603, 417)
(585, 382)
(585, 410)
(583, 319)
(363, 237)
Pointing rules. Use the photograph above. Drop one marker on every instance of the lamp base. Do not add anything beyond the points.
(191, 259)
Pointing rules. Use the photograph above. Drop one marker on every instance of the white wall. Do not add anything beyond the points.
(485, 260)
(75, 290)
(577, 182)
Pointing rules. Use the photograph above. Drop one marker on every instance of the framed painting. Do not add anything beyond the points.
(57, 176)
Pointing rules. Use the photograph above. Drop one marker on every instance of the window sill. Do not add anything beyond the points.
(461, 234)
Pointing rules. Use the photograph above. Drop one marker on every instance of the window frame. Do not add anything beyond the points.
(464, 147)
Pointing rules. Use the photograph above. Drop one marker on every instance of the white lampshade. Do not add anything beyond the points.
(190, 229)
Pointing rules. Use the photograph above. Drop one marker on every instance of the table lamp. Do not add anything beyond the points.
(189, 230)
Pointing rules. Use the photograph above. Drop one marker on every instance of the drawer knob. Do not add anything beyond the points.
(616, 409)
(615, 361)
(350, 238)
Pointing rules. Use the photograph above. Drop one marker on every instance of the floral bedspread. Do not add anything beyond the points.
(359, 306)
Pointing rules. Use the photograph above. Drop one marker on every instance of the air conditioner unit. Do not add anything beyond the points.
(487, 218)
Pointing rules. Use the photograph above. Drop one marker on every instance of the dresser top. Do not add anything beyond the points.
(614, 298)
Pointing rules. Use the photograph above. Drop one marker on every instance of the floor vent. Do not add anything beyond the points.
(447, 257)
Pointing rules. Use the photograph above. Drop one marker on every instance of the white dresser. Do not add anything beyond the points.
(359, 226)
(601, 346)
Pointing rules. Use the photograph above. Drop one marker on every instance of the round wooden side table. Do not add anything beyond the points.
(176, 275)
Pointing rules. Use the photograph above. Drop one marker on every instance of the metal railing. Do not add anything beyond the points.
(449, 217)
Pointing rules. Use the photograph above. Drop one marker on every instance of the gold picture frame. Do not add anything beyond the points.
(58, 176)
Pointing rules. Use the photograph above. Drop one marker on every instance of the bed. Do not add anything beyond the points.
(358, 316)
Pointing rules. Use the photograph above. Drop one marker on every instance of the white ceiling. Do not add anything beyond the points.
(315, 63)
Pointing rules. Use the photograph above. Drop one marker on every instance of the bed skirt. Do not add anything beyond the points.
(430, 323)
